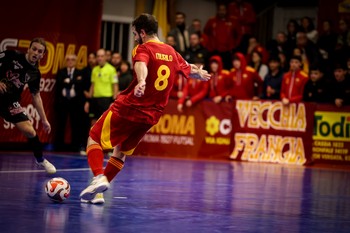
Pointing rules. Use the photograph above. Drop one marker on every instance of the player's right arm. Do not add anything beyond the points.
(141, 71)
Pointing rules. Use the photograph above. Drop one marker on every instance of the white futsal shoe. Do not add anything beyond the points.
(49, 167)
(98, 184)
(98, 199)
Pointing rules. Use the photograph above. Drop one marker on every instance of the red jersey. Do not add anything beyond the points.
(219, 82)
(293, 84)
(163, 64)
(195, 90)
(222, 34)
(245, 15)
(245, 82)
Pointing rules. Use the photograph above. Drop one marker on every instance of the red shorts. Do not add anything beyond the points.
(111, 130)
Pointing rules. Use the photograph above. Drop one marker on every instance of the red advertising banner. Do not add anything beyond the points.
(266, 131)
(202, 131)
(68, 26)
(255, 131)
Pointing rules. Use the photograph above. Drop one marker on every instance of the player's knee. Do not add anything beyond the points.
(30, 133)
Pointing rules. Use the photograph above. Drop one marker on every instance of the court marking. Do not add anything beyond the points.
(58, 170)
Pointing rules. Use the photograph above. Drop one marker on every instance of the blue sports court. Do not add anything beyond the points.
(176, 195)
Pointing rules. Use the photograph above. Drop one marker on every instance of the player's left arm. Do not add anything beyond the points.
(38, 104)
(141, 72)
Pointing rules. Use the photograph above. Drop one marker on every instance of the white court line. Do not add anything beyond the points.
(58, 170)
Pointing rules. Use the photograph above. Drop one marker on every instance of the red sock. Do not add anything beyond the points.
(113, 167)
(95, 159)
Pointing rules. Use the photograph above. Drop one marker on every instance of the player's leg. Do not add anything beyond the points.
(115, 164)
(36, 146)
(97, 139)
(133, 133)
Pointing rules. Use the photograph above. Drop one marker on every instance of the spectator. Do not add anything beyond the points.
(343, 39)
(245, 15)
(194, 91)
(104, 87)
(218, 84)
(70, 101)
(256, 63)
(222, 34)
(292, 29)
(273, 80)
(170, 40)
(304, 61)
(195, 50)
(340, 86)
(180, 33)
(279, 45)
(125, 77)
(327, 40)
(310, 52)
(116, 61)
(316, 87)
(245, 82)
(196, 27)
(283, 62)
(108, 56)
(254, 45)
(308, 27)
(293, 82)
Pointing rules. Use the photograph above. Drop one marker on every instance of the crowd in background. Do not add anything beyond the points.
(299, 64)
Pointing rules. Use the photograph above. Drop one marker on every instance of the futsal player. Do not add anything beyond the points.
(137, 108)
(16, 70)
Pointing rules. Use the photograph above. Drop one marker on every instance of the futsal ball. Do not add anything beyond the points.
(57, 189)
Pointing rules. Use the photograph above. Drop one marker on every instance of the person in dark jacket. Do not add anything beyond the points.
(273, 80)
(316, 87)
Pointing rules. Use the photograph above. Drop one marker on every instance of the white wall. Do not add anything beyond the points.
(200, 9)
(283, 15)
(119, 8)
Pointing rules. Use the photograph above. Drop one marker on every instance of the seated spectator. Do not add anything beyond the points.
(293, 82)
(125, 75)
(340, 86)
(327, 40)
(310, 52)
(254, 45)
(316, 87)
(304, 62)
(194, 91)
(195, 50)
(308, 27)
(343, 40)
(292, 29)
(283, 62)
(245, 82)
(256, 63)
(278, 45)
(218, 84)
(170, 40)
(273, 80)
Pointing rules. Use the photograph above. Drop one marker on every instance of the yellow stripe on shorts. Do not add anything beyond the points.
(106, 132)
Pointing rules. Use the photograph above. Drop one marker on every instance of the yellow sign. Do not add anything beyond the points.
(332, 126)
(344, 6)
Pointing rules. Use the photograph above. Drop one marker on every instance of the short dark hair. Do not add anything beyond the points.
(38, 40)
(146, 22)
